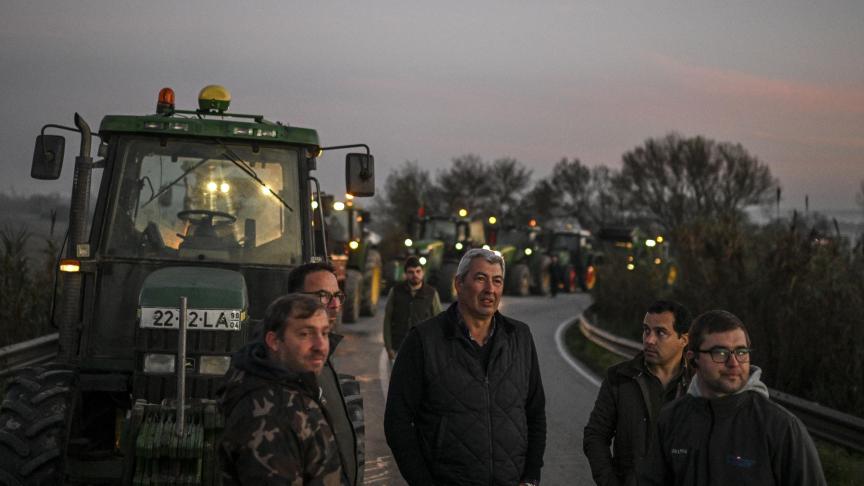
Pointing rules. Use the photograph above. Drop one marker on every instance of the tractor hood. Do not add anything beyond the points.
(204, 288)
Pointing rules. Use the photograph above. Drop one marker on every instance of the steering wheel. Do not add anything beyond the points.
(199, 216)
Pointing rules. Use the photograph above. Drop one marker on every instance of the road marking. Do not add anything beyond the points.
(562, 350)
(384, 372)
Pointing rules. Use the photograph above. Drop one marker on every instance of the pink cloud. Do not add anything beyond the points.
(805, 97)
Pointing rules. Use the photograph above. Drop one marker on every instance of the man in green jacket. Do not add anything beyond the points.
(410, 302)
(632, 394)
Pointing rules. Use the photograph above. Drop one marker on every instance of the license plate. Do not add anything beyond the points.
(196, 319)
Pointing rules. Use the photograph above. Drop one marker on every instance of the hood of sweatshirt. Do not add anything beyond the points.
(252, 368)
(754, 383)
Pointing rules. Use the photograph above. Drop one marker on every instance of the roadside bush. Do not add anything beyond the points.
(25, 288)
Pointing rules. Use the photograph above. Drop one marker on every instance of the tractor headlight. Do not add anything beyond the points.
(214, 365)
(159, 363)
(422, 260)
(528, 251)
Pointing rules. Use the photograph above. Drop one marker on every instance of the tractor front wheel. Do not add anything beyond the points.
(353, 296)
(35, 423)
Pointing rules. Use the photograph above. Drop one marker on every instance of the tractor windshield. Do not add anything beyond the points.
(439, 229)
(516, 238)
(196, 200)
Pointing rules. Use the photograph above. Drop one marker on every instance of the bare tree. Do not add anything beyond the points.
(508, 181)
(465, 185)
(406, 189)
(675, 180)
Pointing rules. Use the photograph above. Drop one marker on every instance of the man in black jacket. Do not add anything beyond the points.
(726, 430)
(632, 394)
(410, 302)
(466, 403)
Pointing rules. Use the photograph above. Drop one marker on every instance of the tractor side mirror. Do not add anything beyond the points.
(48, 157)
(360, 175)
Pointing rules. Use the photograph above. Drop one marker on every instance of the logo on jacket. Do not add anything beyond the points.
(739, 461)
(678, 452)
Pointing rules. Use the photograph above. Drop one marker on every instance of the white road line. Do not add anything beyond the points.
(384, 372)
(562, 350)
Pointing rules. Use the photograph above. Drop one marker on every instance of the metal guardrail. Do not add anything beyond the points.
(28, 353)
(825, 423)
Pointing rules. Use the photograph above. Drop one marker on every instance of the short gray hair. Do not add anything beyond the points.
(465, 263)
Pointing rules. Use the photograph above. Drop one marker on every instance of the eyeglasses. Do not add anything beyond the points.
(325, 297)
(721, 355)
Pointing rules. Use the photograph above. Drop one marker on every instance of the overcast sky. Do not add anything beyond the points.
(428, 81)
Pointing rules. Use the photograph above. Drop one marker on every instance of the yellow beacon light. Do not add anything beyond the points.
(70, 266)
(214, 98)
(463, 212)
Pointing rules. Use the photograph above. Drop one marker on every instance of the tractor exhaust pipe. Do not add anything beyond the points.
(78, 212)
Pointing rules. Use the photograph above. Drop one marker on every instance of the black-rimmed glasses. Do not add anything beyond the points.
(325, 297)
(721, 355)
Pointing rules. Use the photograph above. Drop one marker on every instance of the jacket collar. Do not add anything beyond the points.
(451, 327)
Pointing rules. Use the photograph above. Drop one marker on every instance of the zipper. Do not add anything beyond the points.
(489, 428)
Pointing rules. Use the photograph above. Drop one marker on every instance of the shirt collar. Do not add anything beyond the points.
(465, 332)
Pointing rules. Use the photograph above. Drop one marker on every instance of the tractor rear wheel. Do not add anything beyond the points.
(354, 402)
(444, 282)
(35, 422)
(371, 284)
(353, 296)
(520, 280)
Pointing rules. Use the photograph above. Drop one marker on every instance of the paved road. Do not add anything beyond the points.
(569, 394)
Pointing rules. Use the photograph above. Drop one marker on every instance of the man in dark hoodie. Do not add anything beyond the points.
(632, 394)
(726, 430)
(277, 430)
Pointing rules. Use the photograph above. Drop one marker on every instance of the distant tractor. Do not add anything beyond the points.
(199, 216)
(527, 264)
(632, 247)
(440, 243)
(353, 252)
(572, 248)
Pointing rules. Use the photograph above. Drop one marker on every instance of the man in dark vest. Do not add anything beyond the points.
(466, 403)
(410, 302)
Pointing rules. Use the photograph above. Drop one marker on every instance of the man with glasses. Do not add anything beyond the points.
(319, 280)
(726, 430)
(633, 393)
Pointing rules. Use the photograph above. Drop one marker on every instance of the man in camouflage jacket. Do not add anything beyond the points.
(277, 430)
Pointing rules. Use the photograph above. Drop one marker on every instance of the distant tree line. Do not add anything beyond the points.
(797, 283)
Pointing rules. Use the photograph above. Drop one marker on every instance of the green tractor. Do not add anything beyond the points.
(572, 252)
(353, 251)
(631, 246)
(440, 243)
(199, 216)
(528, 265)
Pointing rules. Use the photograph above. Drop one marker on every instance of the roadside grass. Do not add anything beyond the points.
(841, 466)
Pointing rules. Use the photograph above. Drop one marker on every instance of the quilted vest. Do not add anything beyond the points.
(408, 310)
(472, 424)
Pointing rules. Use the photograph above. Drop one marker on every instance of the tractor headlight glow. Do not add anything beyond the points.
(354, 245)
(422, 260)
(214, 365)
(459, 246)
(486, 247)
(409, 242)
(528, 251)
(650, 243)
(159, 363)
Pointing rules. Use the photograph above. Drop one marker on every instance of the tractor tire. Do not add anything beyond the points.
(543, 279)
(354, 402)
(371, 284)
(520, 280)
(444, 282)
(353, 296)
(35, 423)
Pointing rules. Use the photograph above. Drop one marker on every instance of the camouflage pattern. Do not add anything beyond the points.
(276, 431)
